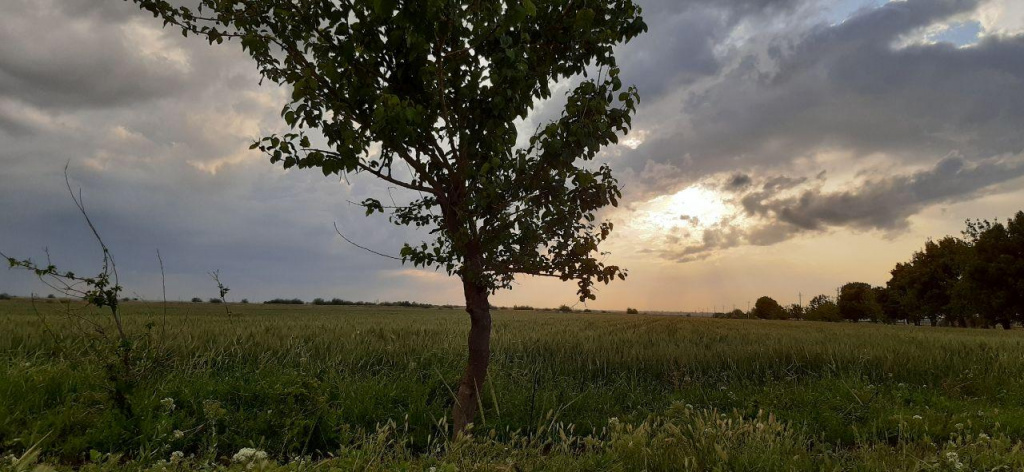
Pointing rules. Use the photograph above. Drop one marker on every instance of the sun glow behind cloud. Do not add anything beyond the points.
(681, 218)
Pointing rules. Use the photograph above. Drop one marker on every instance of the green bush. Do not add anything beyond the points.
(632, 311)
(565, 309)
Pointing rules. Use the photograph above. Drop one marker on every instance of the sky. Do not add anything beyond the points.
(781, 148)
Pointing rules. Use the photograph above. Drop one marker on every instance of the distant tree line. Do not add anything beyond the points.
(403, 303)
(972, 281)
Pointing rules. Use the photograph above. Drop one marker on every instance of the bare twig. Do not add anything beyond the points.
(362, 247)
(163, 286)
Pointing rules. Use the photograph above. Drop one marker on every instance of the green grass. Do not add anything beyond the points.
(369, 388)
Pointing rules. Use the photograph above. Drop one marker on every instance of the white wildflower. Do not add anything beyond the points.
(248, 454)
(917, 417)
(983, 436)
(959, 426)
(168, 403)
(178, 434)
(177, 456)
(952, 457)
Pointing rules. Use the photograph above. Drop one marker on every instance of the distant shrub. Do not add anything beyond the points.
(587, 310)
(216, 300)
(522, 307)
(5, 296)
(319, 301)
(632, 311)
(565, 309)
(284, 301)
(197, 300)
(51, 296)
(245, 301)
(736, 314)
(406, 304)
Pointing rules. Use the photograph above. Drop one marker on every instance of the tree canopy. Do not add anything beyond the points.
(766, 308)
(857, 302)
(427, 95)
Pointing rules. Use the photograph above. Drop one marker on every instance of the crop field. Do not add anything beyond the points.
(277, 387)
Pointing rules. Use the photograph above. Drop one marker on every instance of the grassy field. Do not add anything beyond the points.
(356, 388)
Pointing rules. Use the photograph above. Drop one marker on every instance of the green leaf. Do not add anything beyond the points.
(530, 8)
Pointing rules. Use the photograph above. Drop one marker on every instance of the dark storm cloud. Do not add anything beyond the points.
(680, 47)
(157, 127)
(90, 61)
(848, 87)
(738, 182)
(780, 208)
(885, 203)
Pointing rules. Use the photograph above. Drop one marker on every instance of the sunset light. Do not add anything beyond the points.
(682, 216)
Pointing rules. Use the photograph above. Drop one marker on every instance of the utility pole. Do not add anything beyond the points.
(800, 297)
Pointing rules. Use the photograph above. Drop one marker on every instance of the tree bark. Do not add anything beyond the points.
(1006, 324)
(467, 399)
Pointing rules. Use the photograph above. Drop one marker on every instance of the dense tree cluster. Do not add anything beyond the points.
(977, 280)
(972, 281)
(766, 308)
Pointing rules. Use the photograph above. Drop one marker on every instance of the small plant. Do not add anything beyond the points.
(222, 290)
(632, 311)
(197, 300)
(565, 309)
(101, 291)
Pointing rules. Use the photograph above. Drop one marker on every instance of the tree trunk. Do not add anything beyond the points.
(467, 399)
(1006, 324)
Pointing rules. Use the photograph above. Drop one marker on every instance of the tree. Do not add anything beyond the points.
(994, 277)
(822, 308)
(857, 302)
(891, 310)
(795, 311)
(437, 86)
(766, 308)
(924, 287)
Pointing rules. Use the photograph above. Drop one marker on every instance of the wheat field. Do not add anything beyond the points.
(281, 387)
